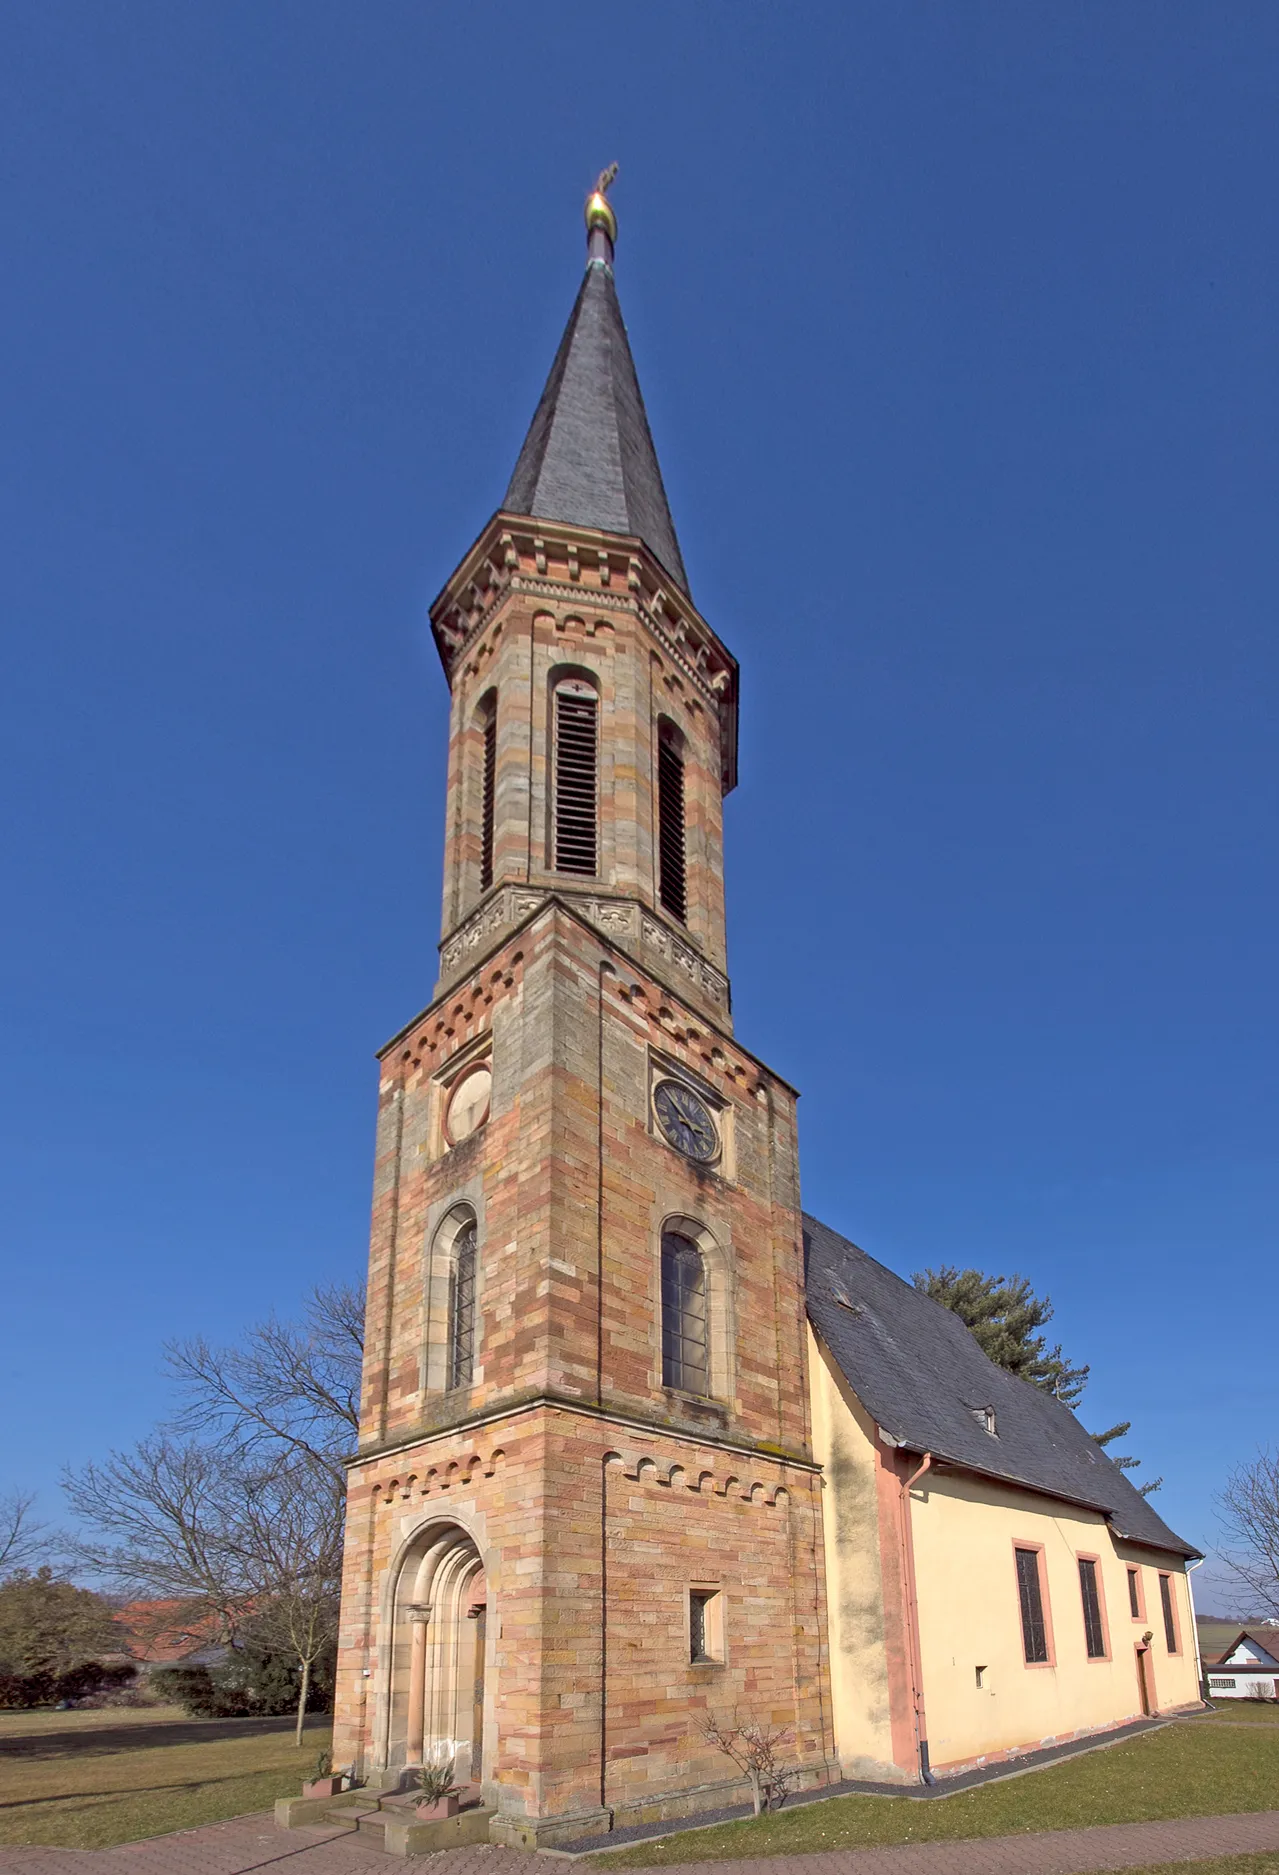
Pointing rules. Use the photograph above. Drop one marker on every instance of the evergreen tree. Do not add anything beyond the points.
(1124, 1460)
(48, 1626)
(1004, 1313)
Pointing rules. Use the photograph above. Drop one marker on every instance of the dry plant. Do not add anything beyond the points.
(1249, 1511)
(755, 1748)
(233, 1515)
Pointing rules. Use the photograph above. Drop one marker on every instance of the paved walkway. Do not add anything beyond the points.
(253, 1843)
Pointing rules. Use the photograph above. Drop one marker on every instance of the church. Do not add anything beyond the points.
(642, 1445)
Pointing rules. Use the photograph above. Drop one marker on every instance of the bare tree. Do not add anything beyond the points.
(22, 1536)
(236, 1513)
(755, 1748)
(253, 1550)
(292, 1542)
(161, 1522)
(291, 1388)
(1249, 1512)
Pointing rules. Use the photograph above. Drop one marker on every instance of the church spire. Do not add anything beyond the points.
(588, 458)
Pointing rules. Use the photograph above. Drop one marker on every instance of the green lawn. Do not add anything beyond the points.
(1196, 1769)
(90, 1780)
(1265, 1864)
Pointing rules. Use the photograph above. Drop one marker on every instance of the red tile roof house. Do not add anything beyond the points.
(158, 1634)
(1249, 1667)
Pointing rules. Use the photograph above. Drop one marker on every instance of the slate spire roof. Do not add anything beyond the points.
(588, 457)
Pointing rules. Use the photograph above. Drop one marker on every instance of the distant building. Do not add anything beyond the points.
(159, 1634)
(1247, 1666)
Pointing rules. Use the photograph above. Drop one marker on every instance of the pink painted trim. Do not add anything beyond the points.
(954, 1767)
(1135, 1569)
(1087, 1555)
(1167, 1574)
(1035, 1666)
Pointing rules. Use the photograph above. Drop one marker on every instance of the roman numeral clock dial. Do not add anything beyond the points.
(685, 1121)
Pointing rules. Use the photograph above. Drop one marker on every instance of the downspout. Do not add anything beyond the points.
(1194, 1628)
(912, 1620)
(605, 969)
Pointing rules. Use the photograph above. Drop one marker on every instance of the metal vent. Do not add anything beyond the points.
(670, 828)
(576, 764)
(487, 803)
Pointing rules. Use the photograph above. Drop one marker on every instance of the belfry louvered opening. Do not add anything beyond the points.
(488, 782)
(575, 833)
(670, 824)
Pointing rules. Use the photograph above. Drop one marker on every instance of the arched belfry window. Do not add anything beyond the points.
(488, 787)
(670, 821)
(685, 1316)
(575, 730)
(461, 1335)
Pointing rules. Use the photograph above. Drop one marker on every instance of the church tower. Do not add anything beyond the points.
(584, 1512)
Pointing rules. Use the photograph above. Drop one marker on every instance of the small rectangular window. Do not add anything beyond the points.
(705, 1627)
(1034, 1630)
(1134, 1594)
(1094, 1632)
(1170, 1623)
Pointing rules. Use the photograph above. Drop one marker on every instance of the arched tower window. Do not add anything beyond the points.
(670, 821)
(461, 1340)
(488, 784)
(576, 736)
(685, 1337)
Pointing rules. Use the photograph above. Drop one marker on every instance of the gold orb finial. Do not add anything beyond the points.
(599, 210)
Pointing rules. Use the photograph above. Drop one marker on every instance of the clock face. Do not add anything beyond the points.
(685, 1121)
(469, 1105)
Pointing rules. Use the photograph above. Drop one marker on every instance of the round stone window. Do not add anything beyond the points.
(468, 1106)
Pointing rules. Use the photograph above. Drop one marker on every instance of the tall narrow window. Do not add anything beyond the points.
(1034, 1631)
(462, 1309)
(576, 777)
(670, 824)
(487, 795)
(1134, 1594)
(1094, 1633)
(1170, 1624)
(685, 1351)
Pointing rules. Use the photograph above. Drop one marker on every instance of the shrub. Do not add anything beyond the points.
(23, 1691)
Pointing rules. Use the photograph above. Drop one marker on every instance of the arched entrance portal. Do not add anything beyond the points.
(438, 1653)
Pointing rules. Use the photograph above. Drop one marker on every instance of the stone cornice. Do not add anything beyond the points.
(516, 555)
(585, 1409)
(554, 899)
(632, 925)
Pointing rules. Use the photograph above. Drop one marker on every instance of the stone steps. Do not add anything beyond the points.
(389, 1817)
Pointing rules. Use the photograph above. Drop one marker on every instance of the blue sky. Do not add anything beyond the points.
(956, 326)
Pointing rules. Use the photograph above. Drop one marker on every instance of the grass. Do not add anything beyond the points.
(91, 1780)
(1265, 1864)
(1255, 1711)
(1183, 1770)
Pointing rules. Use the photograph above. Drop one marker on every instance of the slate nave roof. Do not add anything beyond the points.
(921, 1375)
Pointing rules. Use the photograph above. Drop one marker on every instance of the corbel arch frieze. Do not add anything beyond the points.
(672, 1475)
